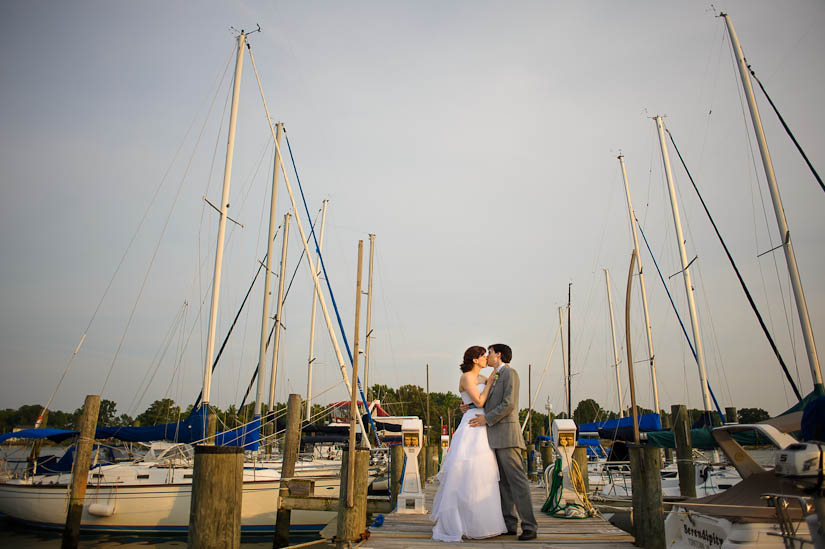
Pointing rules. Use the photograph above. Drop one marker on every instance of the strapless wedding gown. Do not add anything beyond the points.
(468, 502)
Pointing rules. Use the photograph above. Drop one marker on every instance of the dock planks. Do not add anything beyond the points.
(414, 531)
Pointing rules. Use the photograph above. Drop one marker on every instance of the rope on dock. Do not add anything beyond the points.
(307, 544)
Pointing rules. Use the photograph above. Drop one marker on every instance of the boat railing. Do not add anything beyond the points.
(789, 527)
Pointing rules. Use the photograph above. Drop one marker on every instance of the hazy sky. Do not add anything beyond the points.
(477, 140)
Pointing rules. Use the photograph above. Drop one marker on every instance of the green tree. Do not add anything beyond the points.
(752, 415)
(159, 412)
(588, 411)
(106, 416)
(538, 422)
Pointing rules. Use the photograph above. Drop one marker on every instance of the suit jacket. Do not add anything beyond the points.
(501, 410)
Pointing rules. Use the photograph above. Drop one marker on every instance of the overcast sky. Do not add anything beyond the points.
(477, 140)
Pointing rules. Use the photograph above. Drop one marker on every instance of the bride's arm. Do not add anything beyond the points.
(487, 387)
(472, 392)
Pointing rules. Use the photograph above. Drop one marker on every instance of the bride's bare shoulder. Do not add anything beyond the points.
(464, 380)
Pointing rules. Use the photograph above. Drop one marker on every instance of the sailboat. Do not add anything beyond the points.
(154, 494)
(739, 516)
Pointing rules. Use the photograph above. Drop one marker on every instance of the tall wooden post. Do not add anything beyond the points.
(684, 450)
(352, 520)
(215, 511)
(731, 415)
(396, 466)
(354, 401)
(569, 359)
(529, 403)
(427, 425)
(648, 514)
(290, 454)
(80, 474)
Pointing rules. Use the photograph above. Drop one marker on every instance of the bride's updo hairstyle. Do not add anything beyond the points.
(470, 355)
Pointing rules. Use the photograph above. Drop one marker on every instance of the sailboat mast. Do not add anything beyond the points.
(369, 322)
(642, 285)
(563, 356)
(279, 316)
(784, 232)
(310, 264)
(224, 206)
(259, 395)
(311, 358)
(615, 349)
(694, 321)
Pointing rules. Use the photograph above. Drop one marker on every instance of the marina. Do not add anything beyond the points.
(692, 418)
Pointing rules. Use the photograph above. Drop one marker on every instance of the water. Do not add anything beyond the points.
(18, 536)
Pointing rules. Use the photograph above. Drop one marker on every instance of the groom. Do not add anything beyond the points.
(504, 435)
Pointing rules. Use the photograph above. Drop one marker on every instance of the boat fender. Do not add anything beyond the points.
(102, 509)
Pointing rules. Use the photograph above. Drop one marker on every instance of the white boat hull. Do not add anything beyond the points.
(149, 508)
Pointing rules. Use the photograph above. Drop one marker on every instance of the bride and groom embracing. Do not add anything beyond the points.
(482, 480)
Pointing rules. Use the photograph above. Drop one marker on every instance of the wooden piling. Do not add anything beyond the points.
(396, 466)
(422, 463)
(352, 521)
(731, 415)
(432, 461)
(80, 472)
(546, 451)
(215, 510)
(531, 462)
(290, 455)
(684, 450)
(580, 458)
(648, 513)
(211, 428)
(667, 424)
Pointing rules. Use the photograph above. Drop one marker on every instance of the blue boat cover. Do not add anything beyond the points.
(192, 430)
(647, 422)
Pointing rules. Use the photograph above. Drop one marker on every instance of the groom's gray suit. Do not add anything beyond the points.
(504, 435)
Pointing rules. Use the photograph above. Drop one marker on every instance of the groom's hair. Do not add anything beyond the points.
(505, 350)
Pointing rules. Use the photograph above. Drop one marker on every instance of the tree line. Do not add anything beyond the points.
(407, 400)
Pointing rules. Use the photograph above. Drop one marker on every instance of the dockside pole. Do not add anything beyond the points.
(648, 512)
(217, 486)
(352, 519)
(354, 402)
(684, 450)
(80, 471)
(292, 441)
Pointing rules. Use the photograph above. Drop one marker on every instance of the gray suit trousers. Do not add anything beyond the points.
(515, 491)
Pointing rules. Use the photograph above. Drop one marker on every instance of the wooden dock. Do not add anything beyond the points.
(415, 530)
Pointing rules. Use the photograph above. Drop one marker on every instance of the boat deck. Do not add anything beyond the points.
(412, 531)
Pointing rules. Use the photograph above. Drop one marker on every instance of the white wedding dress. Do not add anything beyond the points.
(468, 502)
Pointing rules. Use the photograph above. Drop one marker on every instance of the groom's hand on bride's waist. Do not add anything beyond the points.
(478, 421)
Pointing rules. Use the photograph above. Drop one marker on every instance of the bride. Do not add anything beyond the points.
(468, 503)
